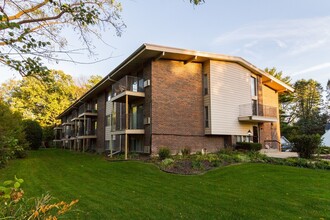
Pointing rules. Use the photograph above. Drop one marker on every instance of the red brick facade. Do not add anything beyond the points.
(177, 108)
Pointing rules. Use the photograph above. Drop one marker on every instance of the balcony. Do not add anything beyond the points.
(135, 124)
(87, 113)
(128, 85)
(86, 129)
(57, 133)
(257, 113)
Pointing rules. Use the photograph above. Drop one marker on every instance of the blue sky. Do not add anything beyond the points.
(291, 35)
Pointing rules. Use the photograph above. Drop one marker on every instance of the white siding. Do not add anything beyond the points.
(108, 108)
(107, 133)
(229, 88)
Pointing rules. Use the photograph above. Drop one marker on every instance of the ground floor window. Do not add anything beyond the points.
(243, 138)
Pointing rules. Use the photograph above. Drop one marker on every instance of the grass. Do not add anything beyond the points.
(135, 190)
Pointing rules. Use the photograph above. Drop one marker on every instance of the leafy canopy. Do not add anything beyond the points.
(42, 101)
(31, 30)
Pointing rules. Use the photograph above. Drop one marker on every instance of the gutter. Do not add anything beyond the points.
(107, 77)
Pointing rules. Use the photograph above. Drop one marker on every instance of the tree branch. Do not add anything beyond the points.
(20, 13)
(42, 19)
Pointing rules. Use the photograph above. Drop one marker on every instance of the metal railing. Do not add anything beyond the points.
(118, 122)
(252, 109)
(127, 83)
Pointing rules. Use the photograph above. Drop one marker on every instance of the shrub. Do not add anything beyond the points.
(185, 151)
(306, 145)
(12, 134)
(227, 151)
(5, 155)
(163, 153)
(324, 150)
(248, 146)
(33, 133)
(256, 156)
(197, 164)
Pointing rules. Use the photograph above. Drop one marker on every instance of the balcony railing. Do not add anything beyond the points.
(127, 83)
(257, 110)
(135, 121)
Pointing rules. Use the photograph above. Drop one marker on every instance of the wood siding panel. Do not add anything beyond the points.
(229, 88)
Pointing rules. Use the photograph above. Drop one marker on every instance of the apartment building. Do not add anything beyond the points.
(164, 96)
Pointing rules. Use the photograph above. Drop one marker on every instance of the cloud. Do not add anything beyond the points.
(313, 69)
(295, 36)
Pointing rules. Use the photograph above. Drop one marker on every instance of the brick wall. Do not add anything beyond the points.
(177, 107)
(147, 105)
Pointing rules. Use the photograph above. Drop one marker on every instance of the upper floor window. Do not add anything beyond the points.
(109, 96)
(205, 84)
(253, 87)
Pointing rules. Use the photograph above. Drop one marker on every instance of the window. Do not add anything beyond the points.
(206, 115)
(253, 86)
(109, 96)
(205, 84)
(254, 96)
(108, 120)
(243, 138)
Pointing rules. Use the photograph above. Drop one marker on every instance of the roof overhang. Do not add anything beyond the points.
(147, 52)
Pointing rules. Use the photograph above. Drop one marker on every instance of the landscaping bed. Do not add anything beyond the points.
(191, 164)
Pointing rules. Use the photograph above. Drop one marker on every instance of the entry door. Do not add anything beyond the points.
(255, 134)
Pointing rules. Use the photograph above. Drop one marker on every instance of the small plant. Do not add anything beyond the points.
(167, 163)
(197, 164)
(324, 150)
(198, 153)
(13, 205)
(185, 151)
(256, 156)
(163, 153)
(133, 155)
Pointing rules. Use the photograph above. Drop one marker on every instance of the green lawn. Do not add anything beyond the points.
(135, 190)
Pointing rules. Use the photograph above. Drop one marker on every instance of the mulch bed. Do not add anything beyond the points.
(186, 167)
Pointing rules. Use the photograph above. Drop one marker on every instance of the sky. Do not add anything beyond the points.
(291, 35)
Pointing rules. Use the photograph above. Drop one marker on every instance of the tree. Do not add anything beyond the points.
(31, 30)
(197, 2)
(308, 107)
(285, 100)
(83, 84)
(41, 101)
(33, 132)
(328, 97)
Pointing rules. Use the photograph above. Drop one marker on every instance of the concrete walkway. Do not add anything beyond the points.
(280, 154)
